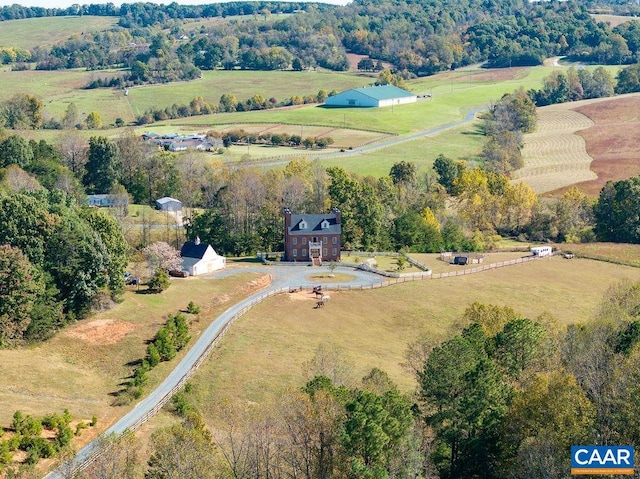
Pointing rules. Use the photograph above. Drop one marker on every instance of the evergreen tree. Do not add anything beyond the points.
(102, 166)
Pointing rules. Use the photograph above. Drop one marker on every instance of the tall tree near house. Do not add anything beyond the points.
(101, 171)
(343, 191)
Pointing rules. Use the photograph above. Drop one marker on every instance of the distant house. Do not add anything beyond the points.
(174, 142)
(312, 238)
(168, 204)
(200, 258)
(105, 201)
(374, 96)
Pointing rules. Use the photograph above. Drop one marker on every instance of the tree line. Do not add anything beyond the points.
(501, 396)
(418, 38)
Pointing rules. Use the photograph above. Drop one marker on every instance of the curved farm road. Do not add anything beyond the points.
(383, 144)
(283, 278)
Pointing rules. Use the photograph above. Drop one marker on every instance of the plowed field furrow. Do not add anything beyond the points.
(556, 180)
(554, 155)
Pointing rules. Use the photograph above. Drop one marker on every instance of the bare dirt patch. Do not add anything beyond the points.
(302, 296)
(102, 331)
(256, 284)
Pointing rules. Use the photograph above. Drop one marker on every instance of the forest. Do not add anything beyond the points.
(417, 38)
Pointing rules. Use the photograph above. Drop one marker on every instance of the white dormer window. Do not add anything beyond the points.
(302, 225)
(324, 225)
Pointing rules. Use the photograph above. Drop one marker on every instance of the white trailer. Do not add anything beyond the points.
(541, 251)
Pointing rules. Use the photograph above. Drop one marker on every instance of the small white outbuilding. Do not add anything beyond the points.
(200, 258)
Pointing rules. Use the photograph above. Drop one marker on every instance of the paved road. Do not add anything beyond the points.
(282, 277)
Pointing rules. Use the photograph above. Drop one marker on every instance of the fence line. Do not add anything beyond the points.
(397, 279)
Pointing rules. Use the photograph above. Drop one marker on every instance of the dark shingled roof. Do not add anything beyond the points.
(192, 250)
(314, 224)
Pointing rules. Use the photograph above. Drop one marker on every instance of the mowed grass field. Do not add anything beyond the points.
(28, 33)
(263, 354)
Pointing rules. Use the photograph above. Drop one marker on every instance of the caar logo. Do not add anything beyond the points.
(602, 460)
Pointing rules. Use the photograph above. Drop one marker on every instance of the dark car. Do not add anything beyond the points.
(176, 273)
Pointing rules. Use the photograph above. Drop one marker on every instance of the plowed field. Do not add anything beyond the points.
(583, 143)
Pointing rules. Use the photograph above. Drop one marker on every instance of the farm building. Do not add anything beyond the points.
(168, 204)
(374, 96)
(200, 258)
(312, 238)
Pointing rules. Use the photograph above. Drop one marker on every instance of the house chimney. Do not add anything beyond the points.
(287, 217)
(338, 214)
(197, 241)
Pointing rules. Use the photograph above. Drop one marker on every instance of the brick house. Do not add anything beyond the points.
(312, 238)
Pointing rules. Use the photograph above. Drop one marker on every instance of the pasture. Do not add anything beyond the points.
(28, 33)
(262, 355)
(86, 363)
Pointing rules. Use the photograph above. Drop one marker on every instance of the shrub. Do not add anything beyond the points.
(159, 282)
(193, 308)
(80, 426)
(153, 356)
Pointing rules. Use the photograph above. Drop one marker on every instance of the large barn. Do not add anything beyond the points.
(371, 97)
